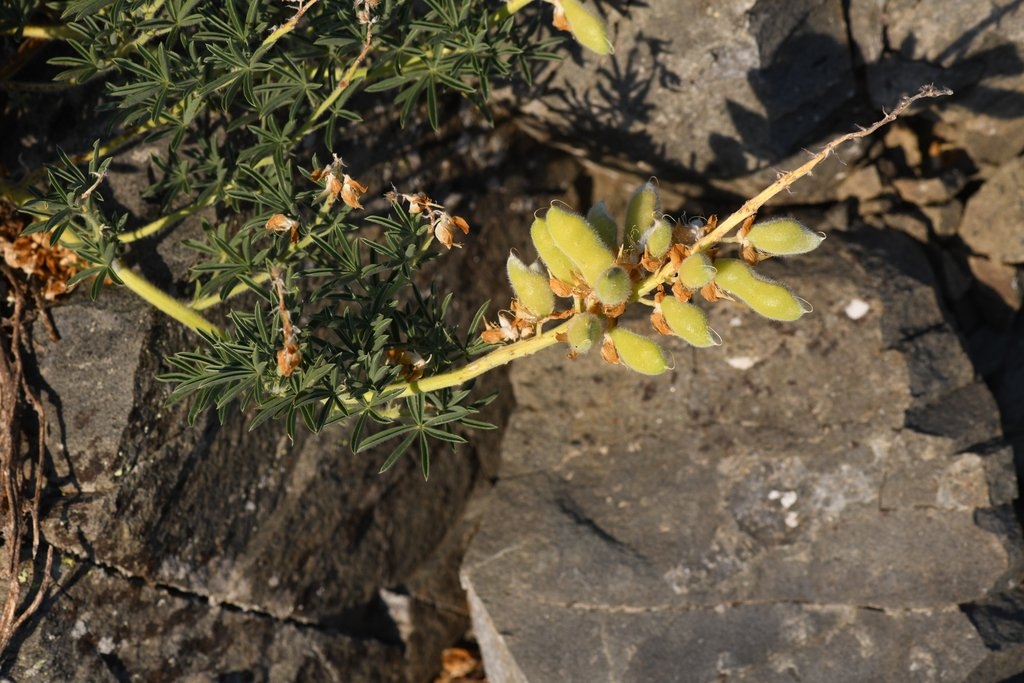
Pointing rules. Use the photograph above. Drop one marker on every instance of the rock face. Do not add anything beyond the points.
(728, 93)
(992, 219)
(828, 500)
(711, 89)
(810, 501)
(217, 551)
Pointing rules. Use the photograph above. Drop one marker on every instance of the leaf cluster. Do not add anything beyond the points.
(238, 92)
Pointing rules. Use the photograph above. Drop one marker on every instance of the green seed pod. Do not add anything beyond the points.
(530, 285)
(583, 331)
(783, 237)
(642, 210)
(554, 258)
(658, 239)
(613, 287)
(580, 242)
(696, 271)
(764, 296)
(606, 227)
(588, 29)
(638, 353)
(689, 322)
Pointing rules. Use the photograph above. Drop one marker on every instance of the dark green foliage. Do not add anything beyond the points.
(238, 93)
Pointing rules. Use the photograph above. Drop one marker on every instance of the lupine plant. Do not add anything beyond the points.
(324, 320)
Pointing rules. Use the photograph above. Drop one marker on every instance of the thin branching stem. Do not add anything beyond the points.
(785, 180)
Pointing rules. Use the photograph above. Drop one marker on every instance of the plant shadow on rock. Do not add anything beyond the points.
(805, 87)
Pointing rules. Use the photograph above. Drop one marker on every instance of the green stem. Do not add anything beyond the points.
(60, 32)
(166, 221)
(507, 10)
(162, 301)
(484, 364)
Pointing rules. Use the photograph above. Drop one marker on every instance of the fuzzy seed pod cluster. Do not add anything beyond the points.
(583, 260)
(588, 29)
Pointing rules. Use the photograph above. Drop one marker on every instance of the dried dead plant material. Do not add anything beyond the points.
(51, 264)
(351, 191)
(339, 184)
(503, 331)
(445, 226)
(288, 356)
(281, 223)
(288, 359)
(412, 363)
(459, 665)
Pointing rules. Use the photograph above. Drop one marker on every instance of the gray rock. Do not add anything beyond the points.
(108, 629)
(723, 90)
(972, 47)
(291, 560)
(991, 225)
(728, 95)
(801, 502)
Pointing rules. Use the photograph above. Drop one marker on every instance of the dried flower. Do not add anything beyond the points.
(288, 356)
(338, 184)
(412, 363)
(281, 223)
(442, 223)
(351, 191)
(34, 255)
(444, 228)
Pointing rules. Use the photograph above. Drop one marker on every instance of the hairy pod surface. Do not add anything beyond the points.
(689, 322)
(763, 296)
(530, 285)
(642, 210)
(613, 287)
(580, 242)
(783, 237)
(605, 224)
(638, 353)
(696, 271)
(588, 29)
(583, 331)
(658, 238)
(559, 265)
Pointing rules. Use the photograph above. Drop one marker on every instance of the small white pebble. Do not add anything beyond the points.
(106, 645)
(857, 309)
(774, 495)
(741, 362)
(792, 520)
(79, 629)
(787, 499)
(735, 321)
